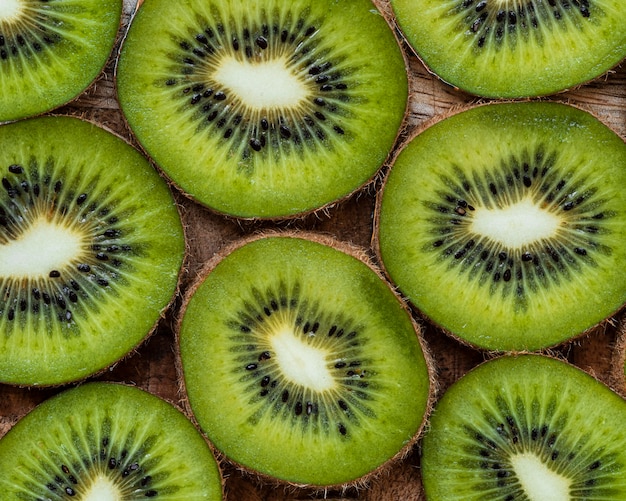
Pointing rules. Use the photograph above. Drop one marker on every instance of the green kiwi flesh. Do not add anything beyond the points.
(529, 428)
(105, 441)
(515, 48)
(263, 109)
(301, 364)
(91, 245)
(505, 224)
(51, 50)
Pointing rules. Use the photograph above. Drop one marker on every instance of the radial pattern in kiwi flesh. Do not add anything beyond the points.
(105, 441)
(515, 48)
(505, 224)
(301, 364)
(51, 50)
(526, 428)
(91, 245)
(263, 109)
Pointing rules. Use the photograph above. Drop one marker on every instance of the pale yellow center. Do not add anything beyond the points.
(10, 9)
(539, 482)
(262, 84)
(101, 489)
(517, 225)
(42, 248)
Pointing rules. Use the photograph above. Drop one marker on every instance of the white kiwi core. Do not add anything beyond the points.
(45, 246)
(539, 482)
(517, 225)
(10, 9)
(299, 362)
(102, 489)
(262, 84)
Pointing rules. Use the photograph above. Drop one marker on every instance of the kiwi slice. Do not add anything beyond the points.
(515, 48)
(51, 50)
(529, 428)
(105, 441)
(300, 363)
(263, 109)
(505, 224)
(91, 244)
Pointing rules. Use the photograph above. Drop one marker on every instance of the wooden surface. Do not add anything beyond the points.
(152, 367)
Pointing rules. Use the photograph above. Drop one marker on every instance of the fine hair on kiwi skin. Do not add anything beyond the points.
(617, 374)
(376, 244)
(264, 170)
(363, 256)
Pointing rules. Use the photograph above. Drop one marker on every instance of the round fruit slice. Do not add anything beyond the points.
(91, 244)
(264, 109)
(301, 364)
(51, 50)
(505, 224)
(527, 427)
(103, 441)
(515, 48)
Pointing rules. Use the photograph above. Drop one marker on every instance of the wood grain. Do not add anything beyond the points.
(152, 365)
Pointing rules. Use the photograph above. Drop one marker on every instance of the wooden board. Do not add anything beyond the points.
(152, 367)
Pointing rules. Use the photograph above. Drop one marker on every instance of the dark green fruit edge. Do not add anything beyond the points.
(152, 367)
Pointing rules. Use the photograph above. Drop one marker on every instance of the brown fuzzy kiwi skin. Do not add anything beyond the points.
(375, 241)
(383, 8)
(617, 374)
(363, 256)
(163, 314)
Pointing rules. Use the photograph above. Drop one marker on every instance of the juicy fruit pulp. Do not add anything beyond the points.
(91, 245)
(505, 224)
(526, 427)
(317, 374)
(51, 50)
(107, 442)
(515, 48)
(263, 109)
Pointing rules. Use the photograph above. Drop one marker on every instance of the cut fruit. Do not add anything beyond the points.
(515, 48)
(107, 442)
(264, 109)
(333, 382)
(528, 427)
(50, 51)
(505, 224)
(91, 245)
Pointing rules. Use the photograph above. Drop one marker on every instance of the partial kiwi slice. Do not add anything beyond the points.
(526, 427)
(515, 48)
(300, 363)
(263, 109)
(107, 441)
(51, 50)
(505, 224)
(91, 245)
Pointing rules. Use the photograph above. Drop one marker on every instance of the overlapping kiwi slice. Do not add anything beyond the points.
(505, 224)
(105, 441)
(526, 428)
(263, 109)
(91, 244)
(300, 363)
(515, 48)
(51, 50)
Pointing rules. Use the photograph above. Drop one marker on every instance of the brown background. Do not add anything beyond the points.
(152, 365)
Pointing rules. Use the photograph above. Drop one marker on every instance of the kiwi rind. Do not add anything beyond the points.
(109, 430)
(283, 180)
(52, 163)
(567, 56)
(493, 331)
(51, 68)
(308, 472)
(476, 426)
